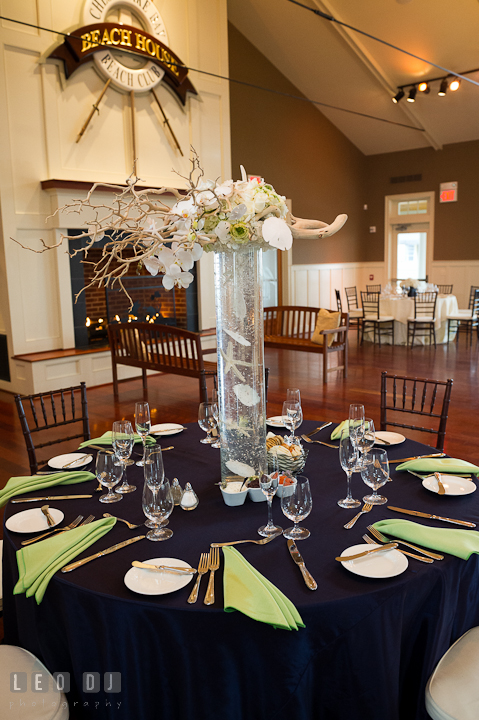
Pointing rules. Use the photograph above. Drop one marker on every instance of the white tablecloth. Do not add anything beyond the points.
(403, 307)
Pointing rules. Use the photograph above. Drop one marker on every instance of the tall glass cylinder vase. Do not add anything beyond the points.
(240, 342)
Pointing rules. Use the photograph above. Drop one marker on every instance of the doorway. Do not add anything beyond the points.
(409, 235)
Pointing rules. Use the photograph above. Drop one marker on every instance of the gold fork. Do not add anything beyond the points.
(213, 565)
(130, 525)
(382, 538)
(263, 541)
(202, 569)
(366, 508)
(72, 525)
(319, 442)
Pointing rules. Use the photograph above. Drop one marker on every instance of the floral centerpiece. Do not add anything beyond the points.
(235, 220)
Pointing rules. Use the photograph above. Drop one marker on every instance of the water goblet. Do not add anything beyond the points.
(292, 416)
(268, 482)
(154, 473)
(207, 420)
(157, 504)
(375, 473)
(122, 437)
(108, 474)
(365, 438)
(142, 425)
(296, 504)
(348, 457)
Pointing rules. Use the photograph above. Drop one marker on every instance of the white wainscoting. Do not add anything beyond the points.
(460, 273)
(314, 285)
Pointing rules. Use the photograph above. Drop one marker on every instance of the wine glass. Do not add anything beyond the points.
(365, 438)
(268, 482)
(293, 395)
(375, 473)
(296, 504)
(292, 418)
(108, 474)
(207, 420)
(122, 436)
(348, 457)
(154, 473)
(356, 421)
(157, 504)
(142, 425)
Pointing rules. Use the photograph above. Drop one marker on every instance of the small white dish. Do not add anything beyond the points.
(391, 438)
(256, 495)
(453, 485)
(275, 421)
(33, 520)
(73, 461)
(166, 429)
(281, 486)
(378, 565)
(153, 582)
(231, 496)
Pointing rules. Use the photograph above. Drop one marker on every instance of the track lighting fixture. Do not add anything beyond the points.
(443, 88)
(399, 96)
(454, 84)
(412, 95)
(424, 87)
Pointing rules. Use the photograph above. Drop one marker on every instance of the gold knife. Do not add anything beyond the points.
(433, 517)
(417, 457)
(111, 549)
(52, 497)
(50, 520)
(308, 578)
(388, 546)
(168, 568)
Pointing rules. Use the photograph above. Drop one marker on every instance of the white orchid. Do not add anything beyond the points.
(174, 275)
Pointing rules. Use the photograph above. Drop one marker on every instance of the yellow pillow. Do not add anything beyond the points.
(325, 321)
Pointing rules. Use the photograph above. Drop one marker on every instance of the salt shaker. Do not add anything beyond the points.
(176, 491)
(190, 500)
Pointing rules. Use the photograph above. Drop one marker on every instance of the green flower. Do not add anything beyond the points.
(239, 231)
(210, 223)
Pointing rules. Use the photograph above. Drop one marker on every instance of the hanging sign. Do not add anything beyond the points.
(448, 192)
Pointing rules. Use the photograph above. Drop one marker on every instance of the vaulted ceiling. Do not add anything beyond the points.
(338, 66)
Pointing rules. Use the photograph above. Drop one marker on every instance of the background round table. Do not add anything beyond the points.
(368, 647)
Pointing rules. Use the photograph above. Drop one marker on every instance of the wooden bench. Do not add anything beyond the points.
(291, 327)
(162, 348)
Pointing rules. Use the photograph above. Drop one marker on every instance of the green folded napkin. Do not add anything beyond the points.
(106, 440)
(444, 465)
(336, 434)
(38, 563)
(246, 590)
(461, 543)
(32, 483)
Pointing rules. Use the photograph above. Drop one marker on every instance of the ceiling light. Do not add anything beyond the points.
(424, 87)
(412, 95)
(454, 84)
(399, 96)
(443, 88)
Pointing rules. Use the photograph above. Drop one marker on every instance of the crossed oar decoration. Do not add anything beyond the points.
(95, 108)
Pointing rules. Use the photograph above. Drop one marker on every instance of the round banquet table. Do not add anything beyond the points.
(368, 647)
(400, 308)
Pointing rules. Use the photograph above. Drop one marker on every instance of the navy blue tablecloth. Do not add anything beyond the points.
(368, 648)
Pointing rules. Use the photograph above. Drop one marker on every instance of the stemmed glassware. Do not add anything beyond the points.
(122, 437)
(365, 437)
(348, 457)
(157, 504)
(268, 483)
(108, 474)
(292, 418)
(375, 473)
(143, 425)
(293, 395)
(356, 422)
(207, 420)
(296, 504)
(154, 473)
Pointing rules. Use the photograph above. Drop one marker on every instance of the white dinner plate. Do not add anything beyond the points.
(453, 485)
(33, 520)
(153, 582)
(378, 565)
(276, 421)
(391, 438)
(166, 429)
(73, 460)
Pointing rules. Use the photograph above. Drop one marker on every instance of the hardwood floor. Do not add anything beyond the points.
(175, 399)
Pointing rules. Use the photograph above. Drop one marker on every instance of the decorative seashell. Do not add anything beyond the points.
(246, 394)
(239, 338)
(240, 468)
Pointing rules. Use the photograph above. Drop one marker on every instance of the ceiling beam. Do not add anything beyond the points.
(374, 68)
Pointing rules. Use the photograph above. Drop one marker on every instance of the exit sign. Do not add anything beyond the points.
(448, 192)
